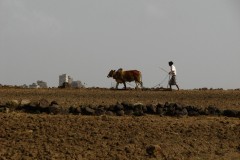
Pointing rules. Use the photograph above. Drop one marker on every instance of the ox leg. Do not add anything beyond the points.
(125, 87)
(136, 85)
(117, 85)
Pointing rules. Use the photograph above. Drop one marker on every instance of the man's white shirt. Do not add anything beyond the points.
(174, 71)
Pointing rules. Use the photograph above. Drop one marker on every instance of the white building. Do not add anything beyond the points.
(34, 85)
(77, 84)
(42, 84)
(65, 78)
(70, 80)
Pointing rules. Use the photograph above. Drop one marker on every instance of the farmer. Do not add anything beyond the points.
(173, 74)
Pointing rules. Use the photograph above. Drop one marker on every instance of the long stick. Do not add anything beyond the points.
(168, 76)
(163, 69)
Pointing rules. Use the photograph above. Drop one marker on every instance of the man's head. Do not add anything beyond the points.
(170, 63)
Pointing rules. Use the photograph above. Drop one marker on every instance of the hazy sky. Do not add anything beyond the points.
(41, 39)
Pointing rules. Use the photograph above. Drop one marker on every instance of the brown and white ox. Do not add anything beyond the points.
(122, 76)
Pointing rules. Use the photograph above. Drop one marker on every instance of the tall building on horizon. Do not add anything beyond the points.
(63, 78)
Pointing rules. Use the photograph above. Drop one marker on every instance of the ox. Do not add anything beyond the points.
(126, 76)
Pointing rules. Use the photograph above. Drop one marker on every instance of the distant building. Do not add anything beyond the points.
(65, 78)
(70, 80)
(42, 84)
(34, 85)
(77, 84)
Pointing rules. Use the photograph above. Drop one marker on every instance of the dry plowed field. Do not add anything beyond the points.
(88, 137)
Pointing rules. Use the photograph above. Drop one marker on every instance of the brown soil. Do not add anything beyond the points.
(44, 136)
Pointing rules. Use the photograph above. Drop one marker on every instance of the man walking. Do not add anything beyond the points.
(173, 73)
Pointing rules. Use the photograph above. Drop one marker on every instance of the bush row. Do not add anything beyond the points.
(119, 109)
